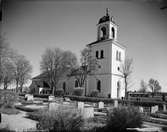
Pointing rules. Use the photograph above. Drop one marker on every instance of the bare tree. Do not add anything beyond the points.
(57, 64)
(126, 70)
(22, 72)
(88, 66)
(6, 63)
(143, 87)
(154, 85)
(4, 55)
(7, 73)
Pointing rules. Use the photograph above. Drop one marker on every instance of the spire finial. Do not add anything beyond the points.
(107, 11)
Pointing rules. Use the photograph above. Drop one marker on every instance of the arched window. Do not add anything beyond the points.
(103, 33)
(97, 54)
(64, 86)
(99, 85)
(118, 88)
(76, 83)
(117, 55)
(113, 32)
(102, 54)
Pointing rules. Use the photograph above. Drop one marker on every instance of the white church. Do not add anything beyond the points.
(107, 79)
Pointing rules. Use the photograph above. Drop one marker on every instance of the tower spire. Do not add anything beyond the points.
(107, 11)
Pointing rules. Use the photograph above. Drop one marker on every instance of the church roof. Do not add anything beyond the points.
(106, 18)
(99, 41)
(41, 76)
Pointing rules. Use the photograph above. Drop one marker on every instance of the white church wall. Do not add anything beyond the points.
(105, 84)
(114, 91)
(116, 63)
(105, 62)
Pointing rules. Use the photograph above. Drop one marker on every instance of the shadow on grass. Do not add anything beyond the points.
(9, 111)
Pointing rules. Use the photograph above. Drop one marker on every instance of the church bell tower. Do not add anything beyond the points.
(106, 28)
(107, 80)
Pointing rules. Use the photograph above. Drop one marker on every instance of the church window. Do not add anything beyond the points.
(116, 55)
(113, 32)
(64, 86)
(99, 85)
(102, 54)
(118, 88)
(103, 33)
(97, 54)
(119, 56)
(76, 83)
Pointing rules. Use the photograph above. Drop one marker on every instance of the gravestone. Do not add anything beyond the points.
(87, 112)
(116, 103)
(154, 109)
(94, 104)
(51, 98)
(66, 103)
(141, 110)
(101, 105)
(67, 99)
(164, 107)
(29, 97)
(80, 105)
(53, 106)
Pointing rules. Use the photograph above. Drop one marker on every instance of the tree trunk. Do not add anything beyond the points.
(85, 86)
(126, 85)
(17, 86)
(5, 86)
(21, 87)
(53, 90)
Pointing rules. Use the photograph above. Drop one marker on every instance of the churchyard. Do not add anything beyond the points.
(51, 113)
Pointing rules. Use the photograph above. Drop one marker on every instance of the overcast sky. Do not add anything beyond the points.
(32, 26)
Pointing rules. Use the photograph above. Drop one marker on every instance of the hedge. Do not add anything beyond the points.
(23, 108)
(37, 95)
(90, 99)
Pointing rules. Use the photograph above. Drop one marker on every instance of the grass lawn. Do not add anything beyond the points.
(9, 111)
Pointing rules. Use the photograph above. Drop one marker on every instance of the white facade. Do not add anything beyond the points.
(107, 80)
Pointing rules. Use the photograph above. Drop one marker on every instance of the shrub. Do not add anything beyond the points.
(94, 94)
(78, 92)
(122, 118)
(9, 111)
(23, 108)
(6, 129)
(36, 115)
(42, 95)
(7, 99)
(59, 92)
(63, 120)
(90, 99)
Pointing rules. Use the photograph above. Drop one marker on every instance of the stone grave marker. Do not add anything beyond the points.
(154, 109)
(87, 112)
(53, 106)
(51, 98)
(164, 107)
(101, 105)
(29, 97)
(80, 105)
(116, 103)
(141, 109)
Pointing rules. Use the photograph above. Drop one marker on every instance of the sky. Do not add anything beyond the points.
(32, 26)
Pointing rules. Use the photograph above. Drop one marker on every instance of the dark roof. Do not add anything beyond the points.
(78, 71)
(105, 40)
(105, 19)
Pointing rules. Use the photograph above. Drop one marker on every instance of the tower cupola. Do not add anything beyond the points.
(106, 27)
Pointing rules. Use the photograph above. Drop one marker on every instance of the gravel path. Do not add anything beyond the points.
(17, 122)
